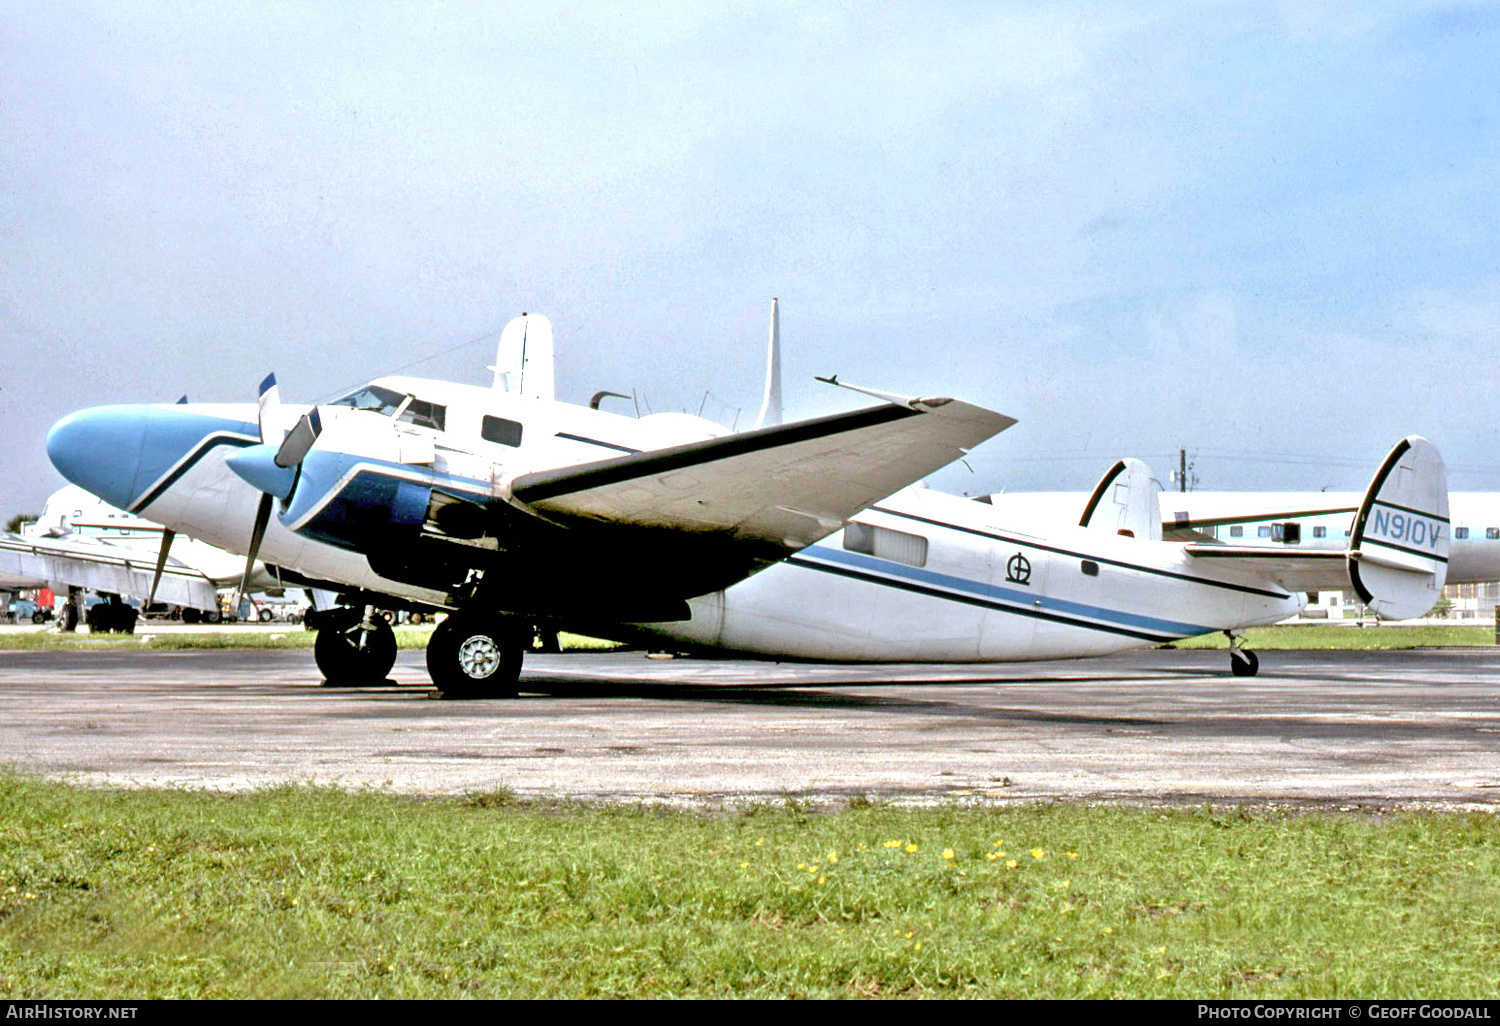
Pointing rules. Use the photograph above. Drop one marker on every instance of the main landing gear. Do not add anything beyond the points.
(473, 655)
(469, 654)
(355, 648)
(1242, 661)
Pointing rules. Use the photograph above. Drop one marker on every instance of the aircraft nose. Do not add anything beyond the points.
(100, 449)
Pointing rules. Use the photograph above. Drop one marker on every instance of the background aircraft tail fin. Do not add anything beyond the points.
(1124, 502)
(770, 404)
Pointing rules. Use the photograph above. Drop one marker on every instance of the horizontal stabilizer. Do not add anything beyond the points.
(774, 489)
(1397, 558)
(1124, 502)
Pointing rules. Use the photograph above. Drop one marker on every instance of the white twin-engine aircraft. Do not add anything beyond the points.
(511, 510)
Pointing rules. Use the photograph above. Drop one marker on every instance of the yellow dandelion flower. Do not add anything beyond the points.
(760, 842)
(908, 935)
(891, 844)
(998, 843)
(1038, 853)
(917, 946)
(822, 879)
(833, 857)
(911, 849)
(744, 865)
(1109, 929)
(948, 853)
(993, 855)
(1011, 863)
(1072, 854)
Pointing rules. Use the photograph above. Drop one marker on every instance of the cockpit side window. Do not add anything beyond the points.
(387, 401)
(425, 414)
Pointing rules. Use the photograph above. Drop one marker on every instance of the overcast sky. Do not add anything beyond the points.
(1267, 232)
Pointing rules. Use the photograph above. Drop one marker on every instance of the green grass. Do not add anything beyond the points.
(311, 893)
(292, 637)
(1325, 636)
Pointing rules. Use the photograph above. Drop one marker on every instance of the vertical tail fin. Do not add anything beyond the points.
(523, 359)
(1398, 548)
(770, 406)
(1124, 502)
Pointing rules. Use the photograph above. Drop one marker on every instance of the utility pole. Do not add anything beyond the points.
(1184, 469)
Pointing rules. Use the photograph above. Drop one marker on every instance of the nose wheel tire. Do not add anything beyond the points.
(1243, 663)
(356, 654)
(473, 656)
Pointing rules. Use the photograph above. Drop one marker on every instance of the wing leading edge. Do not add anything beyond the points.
(774, 489)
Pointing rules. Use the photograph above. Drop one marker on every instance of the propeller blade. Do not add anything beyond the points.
(167, 535)
(300, 439)
(270, 409)
(257, 535)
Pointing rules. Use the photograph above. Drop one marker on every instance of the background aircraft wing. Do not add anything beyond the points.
(774, 489)
(100, 567)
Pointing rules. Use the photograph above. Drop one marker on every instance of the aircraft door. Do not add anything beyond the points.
(1018, 582)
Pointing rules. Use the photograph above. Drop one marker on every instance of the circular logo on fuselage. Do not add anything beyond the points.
(1018, 570)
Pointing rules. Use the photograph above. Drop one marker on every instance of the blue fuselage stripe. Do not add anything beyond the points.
(1012, 600)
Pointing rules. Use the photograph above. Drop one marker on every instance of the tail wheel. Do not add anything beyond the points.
(355, 652)
(474, 656)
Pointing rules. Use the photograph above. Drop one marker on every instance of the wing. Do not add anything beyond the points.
(774, 490)
(33, 562)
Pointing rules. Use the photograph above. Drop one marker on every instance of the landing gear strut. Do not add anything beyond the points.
(355, 648)
(1242, 661)
(472, 655)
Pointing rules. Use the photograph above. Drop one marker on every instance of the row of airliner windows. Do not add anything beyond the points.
(1266, 531)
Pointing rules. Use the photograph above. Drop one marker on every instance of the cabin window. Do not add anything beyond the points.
(1264, 530)
(1090, 568)
(501, 431)
(1236, 531)
(1460, 533)
(1492, 532)
(1320, 532)
(883, 543)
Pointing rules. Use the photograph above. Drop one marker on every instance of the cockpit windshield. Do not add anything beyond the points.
(387, 401)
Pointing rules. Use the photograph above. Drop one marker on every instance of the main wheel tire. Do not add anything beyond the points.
(1244, 663)
(265, 616)
(472, 656)
(345, 662)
